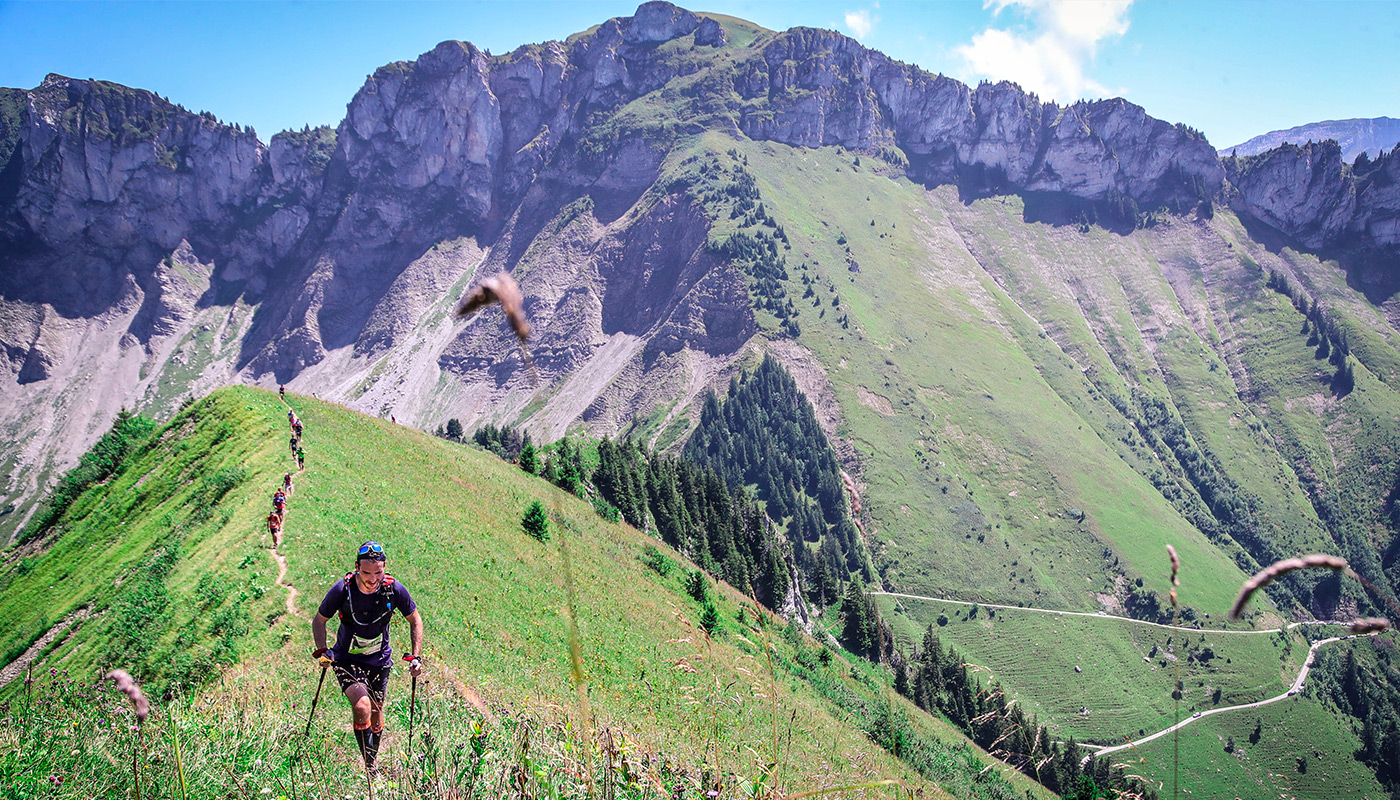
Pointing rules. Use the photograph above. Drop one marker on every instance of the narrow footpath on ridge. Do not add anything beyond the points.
(1103, 751)
(276, 548)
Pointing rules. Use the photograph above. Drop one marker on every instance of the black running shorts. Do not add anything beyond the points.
(375, 679)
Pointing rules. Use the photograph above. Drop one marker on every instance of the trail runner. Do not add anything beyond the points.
(282, 391)
(274, 523)
(361, 657)
(292, 443)
(301, 457)
(291, 417)
(296, 427)
(279, 502)
(287, 483)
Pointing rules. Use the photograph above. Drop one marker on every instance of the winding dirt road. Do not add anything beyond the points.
(1292, 690)
(1103, 751)
(1095, 615)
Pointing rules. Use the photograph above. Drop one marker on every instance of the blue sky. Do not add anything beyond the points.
(1232, 68)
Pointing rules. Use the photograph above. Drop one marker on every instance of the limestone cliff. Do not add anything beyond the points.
(147, 252)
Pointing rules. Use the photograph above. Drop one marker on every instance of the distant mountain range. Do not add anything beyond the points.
(1354, 135)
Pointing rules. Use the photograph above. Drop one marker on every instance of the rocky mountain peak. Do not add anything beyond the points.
(120, 207)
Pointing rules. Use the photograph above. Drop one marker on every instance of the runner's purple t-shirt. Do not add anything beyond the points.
(363, 637)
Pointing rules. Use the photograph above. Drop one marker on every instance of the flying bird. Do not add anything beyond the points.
(501, 288)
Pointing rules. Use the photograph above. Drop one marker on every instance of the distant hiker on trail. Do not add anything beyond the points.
(279, 501)
(282, 391)
(274, 524)
(287, 484)
(301, 457)
(361, 657)
(291, 417)
(296, 427)
(293, 444)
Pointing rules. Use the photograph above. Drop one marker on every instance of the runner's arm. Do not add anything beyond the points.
(415, 633)
(318, 631)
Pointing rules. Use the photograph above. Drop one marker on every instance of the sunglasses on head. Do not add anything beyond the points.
(374, 551)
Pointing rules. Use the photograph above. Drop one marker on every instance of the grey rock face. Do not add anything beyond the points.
(128, 224)
(814, 88)
(1310, 194)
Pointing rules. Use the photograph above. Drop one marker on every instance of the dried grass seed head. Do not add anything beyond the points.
(499, 288)
(1369, 625)
(132, 690)
(1269, 574)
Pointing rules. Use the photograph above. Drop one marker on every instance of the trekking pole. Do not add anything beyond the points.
(317, 699)
(412, 706)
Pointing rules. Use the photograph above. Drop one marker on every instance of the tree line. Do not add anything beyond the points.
(937, 679)
(1362, 684)
(765, 435)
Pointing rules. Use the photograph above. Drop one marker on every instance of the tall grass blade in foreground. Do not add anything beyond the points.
(1278, 569)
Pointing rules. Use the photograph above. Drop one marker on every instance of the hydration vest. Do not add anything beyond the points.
(385, 593)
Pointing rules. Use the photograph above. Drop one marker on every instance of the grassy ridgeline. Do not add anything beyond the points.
(180, 585)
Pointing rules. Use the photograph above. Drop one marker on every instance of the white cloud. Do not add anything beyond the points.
(1050, 56)
(860, 22)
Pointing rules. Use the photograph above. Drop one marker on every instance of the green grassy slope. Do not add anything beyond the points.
(1265, 759)
(992, 374)
(494, 599)
(1124, 682)
(978, 444)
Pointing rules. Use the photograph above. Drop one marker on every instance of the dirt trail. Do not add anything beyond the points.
(276, 551)
(1292, 690)
(16, 668)
(1096, 615)
(1103, 751)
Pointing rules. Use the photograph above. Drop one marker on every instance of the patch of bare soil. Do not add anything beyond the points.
(15, 668)
(875, 401)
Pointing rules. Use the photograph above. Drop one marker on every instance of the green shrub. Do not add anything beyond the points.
(657, 560)
(697, 587)
(536, 522)
(606, 510)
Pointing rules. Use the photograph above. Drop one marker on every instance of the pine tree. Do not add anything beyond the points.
(454, 429)
(529, 461)
(536, 522)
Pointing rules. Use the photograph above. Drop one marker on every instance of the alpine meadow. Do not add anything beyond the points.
(750, 415)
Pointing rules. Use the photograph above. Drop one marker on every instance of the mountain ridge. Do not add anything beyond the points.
(317, 243)
(1355, 136)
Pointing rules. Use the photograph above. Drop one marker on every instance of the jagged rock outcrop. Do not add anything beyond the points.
(814, 88)
(104, 181)
(1310, 194)
(135, 234)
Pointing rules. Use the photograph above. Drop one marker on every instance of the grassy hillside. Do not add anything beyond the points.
(1120, 689)
(1267, 757)
(183, 593)
(1036, 409)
